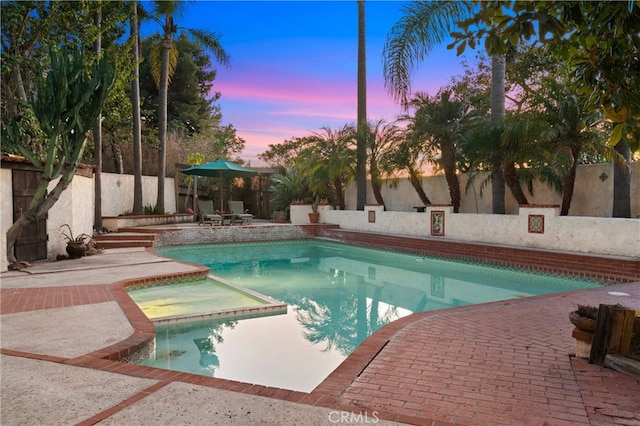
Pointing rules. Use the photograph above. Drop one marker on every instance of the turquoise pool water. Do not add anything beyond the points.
(337, 295)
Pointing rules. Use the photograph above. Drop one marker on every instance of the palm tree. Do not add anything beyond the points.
(327, 162)
(97, 137)
(439, 123)
(135, 104)
(569, 130)
(498, 178)
(382, 139)
(520, 147)
(513, 148)
(164, 61)
(287, 187)
(424, 25)
(407, 156)
(362, 133)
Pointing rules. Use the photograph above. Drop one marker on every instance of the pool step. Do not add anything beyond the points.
(124, 240)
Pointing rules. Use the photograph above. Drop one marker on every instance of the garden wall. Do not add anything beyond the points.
(593, 193)
(117, 193)
(71, 208)
(538, 227)
(75, 206)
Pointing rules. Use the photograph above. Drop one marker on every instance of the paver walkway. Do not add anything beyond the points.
(500, 363)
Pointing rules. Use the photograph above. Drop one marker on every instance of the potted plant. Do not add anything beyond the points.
(76, 246)
(584, 318)
(314, 216)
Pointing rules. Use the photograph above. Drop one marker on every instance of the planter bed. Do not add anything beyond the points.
(114, 223)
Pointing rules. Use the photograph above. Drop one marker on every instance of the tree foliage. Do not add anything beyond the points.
(328, 161)
(439, 123)
(320, 165)
(190, 106)
(599, 40)
(383, 137)
(282, 154)
(30, 30)
(424, 25)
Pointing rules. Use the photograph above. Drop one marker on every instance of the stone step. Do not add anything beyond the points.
(124, 240)
(139, 230)
(119, 236)
(110, 244)
(623, 364)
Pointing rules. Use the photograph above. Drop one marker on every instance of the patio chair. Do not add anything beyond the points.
(237, 208)
(207, 214)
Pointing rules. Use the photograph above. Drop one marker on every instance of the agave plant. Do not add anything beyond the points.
(68, 236)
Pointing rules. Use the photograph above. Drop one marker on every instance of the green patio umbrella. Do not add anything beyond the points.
(222, 169)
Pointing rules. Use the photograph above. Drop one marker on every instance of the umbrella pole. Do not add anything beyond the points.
(195, 194)
(221, 193)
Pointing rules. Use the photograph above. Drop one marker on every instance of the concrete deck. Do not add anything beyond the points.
(499, 363)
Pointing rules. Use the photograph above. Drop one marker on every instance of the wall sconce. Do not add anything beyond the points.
(603, 176)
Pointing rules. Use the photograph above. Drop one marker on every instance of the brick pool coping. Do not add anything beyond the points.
(337, 391)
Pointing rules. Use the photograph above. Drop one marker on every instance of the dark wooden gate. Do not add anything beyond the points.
(32, 242)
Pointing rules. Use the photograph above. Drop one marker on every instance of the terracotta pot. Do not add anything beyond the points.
(582, 323)
(76, 250)
(314, 217)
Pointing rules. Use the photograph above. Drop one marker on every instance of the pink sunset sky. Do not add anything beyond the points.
(294, 65)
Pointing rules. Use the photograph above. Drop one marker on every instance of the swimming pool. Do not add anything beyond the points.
(337, 296)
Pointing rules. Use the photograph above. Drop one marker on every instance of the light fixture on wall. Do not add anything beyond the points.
(603, 176)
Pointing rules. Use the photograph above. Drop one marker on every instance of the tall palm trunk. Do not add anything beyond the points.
(362, 131)
(162, 112)
(497, 116)
(97, 140)
(622, 181)
(497, 190)
(135, 104)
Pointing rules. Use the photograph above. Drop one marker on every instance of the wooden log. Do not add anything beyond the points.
(613, 332)
(622, 332)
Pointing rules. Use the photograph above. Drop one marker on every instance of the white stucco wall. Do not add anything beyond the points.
(117, 193)
(6, 213)
(605, 236)
(78, 199)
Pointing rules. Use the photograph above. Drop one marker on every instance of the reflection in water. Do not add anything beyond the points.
(345, 320)
(337, 297)
(208, 357)
(166, 355)
(207, 346)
